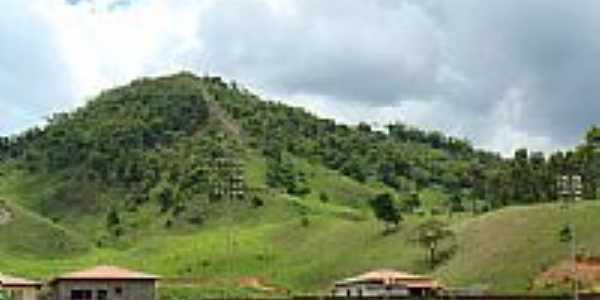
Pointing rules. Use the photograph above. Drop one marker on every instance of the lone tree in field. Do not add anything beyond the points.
(430, 234)
(565, 234)
(385, 210)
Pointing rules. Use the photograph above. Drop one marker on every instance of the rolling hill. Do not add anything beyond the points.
(196, 178)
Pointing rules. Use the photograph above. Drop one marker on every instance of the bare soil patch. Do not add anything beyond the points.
(259, 284)
(256, 283)
(562, 275)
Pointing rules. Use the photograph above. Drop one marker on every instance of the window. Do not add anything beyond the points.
(81, 295)
(101, 295)
(119, 290)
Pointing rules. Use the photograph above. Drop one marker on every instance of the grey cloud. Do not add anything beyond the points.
(474, 68)
(549, 49)
(348, 50)
(464, 58)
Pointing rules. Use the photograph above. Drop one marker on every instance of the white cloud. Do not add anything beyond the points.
(33, 77)
(107, 47)
(502, 73)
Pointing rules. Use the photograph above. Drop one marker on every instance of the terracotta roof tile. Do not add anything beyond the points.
(106, 272)
(389, 276)
(7, 281)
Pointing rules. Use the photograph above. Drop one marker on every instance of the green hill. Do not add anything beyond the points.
(508, 249)
(197, 178)
(162, 154)
(26, 233)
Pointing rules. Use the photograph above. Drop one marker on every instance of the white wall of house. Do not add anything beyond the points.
(21, 293)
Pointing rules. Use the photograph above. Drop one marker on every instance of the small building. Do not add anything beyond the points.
(387, 283)
(19, 288)
(104, 283)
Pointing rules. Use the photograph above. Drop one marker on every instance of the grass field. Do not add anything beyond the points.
(507, 249)
(297, 244)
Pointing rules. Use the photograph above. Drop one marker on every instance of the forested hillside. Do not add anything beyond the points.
(177, 160)
(165, 140)
(178, 142)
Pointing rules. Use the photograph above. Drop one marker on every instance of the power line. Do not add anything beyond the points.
(570, 189)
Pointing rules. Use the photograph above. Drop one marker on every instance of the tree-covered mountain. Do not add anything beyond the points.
(176, 141)
(184, 175)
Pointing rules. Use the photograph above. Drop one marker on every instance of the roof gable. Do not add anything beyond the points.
(106, 273)
(9, 281)
(389, 276)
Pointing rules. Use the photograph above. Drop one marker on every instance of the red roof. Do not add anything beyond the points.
(9, 281)
(106, 273)
(388, 276)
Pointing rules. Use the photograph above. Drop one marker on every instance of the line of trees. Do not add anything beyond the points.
(408, 159)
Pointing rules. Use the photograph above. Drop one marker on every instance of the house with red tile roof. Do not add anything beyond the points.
(105, 283)
(387, 282)
(19, 288)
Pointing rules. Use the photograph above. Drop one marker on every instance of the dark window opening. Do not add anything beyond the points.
(118, 290)
(81, 295)
(101, 295)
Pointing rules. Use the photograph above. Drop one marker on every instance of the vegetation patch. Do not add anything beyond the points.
(5, 213)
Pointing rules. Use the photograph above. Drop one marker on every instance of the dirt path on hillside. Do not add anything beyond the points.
(215, 111)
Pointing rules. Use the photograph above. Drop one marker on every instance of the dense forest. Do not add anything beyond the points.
(180, 141)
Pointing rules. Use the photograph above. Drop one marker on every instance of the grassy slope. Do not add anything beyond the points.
(507, 249)
(268, 240)
(29, 234)
(504, 250)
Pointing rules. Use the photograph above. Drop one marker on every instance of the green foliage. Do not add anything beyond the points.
(282, 173)
(152, 142)
(257, 202)
(412, 203)
(155, 137)
(565, 234)
(386, 210)
(323, 197)
(456, 203)
(4, 295)
(304, 221)
(402, 158)
(159, 156)
(430, 234)
(113, 222)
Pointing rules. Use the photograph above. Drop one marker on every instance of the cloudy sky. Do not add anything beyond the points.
(504, 74)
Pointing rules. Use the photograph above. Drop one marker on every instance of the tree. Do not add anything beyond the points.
(323, 197)
(521, 175)
(430, 234)
(413, 202)
(565, 234)
(455, 203)
(284, 174)
(385, 210)
(591, 171)
(113, 222)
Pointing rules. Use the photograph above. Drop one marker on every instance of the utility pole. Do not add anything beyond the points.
(234, 191)
(228, 184)
(570, 189)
